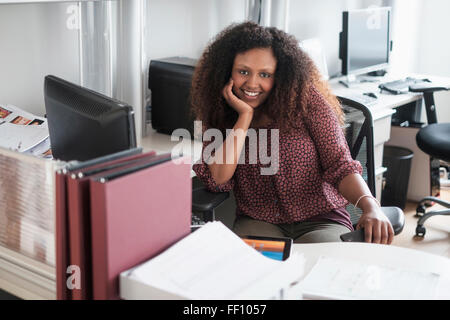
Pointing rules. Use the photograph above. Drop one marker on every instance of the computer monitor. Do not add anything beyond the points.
(84, 124)
(365, 40)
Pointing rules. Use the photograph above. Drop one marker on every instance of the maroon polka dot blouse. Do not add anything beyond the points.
(313, 159)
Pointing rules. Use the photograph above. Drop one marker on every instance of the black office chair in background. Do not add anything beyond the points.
(434, 140)
(359, 136)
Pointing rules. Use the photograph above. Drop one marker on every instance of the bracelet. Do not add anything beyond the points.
(366, 195)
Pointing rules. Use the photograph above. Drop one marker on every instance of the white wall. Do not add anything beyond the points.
(421, 44)
(180, 27)
(323, 19)
(405, 31)
(183, 28)
(34, 42)
(434, 48)
(434, 38)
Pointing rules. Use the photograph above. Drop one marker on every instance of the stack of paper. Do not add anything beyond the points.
(23, 132)
(212, 263)
(333, 278)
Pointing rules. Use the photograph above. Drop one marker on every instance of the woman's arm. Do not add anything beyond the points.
(222, 172)
(341, 170)
(377, 227)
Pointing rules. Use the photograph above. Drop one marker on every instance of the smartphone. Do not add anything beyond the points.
(271, 247)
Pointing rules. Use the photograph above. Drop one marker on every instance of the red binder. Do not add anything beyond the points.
(61, 236)
(79, 216)
(135, 215)
(62, 233)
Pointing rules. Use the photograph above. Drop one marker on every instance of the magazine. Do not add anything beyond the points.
(22, 131)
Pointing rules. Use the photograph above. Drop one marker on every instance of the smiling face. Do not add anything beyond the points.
(253, 75)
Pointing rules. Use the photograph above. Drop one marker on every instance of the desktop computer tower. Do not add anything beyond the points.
(170, 83)
(424, 175)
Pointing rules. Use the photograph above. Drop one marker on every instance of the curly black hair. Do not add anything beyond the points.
(295, 74)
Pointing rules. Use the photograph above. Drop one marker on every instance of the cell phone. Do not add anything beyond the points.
(353, 236)
(277, 248)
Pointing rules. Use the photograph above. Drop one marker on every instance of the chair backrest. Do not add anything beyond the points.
(358, 130)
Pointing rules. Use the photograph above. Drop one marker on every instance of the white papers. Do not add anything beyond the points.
(333, 278)
(42, 150)
(21, 131)
(214, 263)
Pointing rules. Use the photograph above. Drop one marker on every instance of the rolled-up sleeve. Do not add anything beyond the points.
(203, 172)
(329, 139)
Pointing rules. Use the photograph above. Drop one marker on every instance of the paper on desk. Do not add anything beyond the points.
(42, 150)
(333, 278)
(214, 263)
(21, 130)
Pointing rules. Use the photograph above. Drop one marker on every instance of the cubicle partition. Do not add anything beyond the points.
(27, 225)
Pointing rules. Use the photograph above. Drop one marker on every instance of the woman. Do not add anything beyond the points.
(253, 77)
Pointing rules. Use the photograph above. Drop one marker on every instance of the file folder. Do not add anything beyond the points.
(62, 230)
(61, 236)
(136, 214)
(79, 217)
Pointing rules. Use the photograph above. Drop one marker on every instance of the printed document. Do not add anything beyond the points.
(333, 278)
(22, 131)
(214, 263)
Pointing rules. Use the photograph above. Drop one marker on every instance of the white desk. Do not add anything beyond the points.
(385, 99)
(382, 111)
(380, 255)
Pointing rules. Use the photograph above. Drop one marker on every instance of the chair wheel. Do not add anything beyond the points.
(420, 231)
(420, 210)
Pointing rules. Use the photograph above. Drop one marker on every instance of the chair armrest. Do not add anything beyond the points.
(396, 217)
(426, 87)
(204, 200)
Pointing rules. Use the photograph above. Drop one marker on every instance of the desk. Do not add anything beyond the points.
(382, 111)
(385, 99)
(380, 255)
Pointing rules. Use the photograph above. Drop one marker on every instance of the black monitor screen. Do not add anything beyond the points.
(84, 124)
(365, 40)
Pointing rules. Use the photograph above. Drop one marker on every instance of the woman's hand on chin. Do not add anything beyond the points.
(237, 104)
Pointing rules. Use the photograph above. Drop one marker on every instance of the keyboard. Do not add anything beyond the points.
(400, 86)
(361, 98)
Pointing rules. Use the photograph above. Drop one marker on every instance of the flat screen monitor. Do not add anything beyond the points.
(84, 124)
(365, 40)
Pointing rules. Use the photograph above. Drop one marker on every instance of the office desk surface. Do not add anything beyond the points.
(385, 99)
(377, 254)
(410, 271)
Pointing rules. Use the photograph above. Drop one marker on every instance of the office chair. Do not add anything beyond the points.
(434, 140)
(359, 135)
